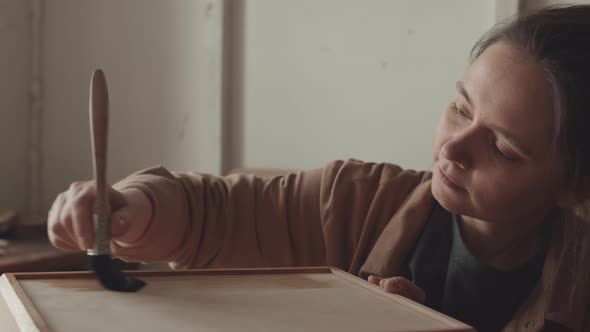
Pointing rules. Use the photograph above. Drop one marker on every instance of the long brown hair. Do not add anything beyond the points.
(558, 39)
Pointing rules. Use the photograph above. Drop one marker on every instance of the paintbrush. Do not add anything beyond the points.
(100, 258)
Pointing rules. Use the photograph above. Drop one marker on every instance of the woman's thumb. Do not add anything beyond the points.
(116, 199)
(119, 216)
(119, 224)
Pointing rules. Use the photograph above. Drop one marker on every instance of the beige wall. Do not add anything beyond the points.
(328, 79)
(324, 79)
(163, 65)
(15, 41)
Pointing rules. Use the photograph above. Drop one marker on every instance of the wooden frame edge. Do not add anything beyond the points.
(28, 318)
(433, 314)
(25, 314)
(191, 272)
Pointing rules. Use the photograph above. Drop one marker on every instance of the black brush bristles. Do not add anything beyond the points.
(111, 277)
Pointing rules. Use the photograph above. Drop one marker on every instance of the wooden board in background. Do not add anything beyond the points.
(305, 299)
(29, 250)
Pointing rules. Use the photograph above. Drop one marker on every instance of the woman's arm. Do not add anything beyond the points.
(204, 221)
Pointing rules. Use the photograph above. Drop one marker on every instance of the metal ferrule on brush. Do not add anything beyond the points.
(101, 244)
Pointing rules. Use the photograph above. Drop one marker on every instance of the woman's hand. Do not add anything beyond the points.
(69, 223)
(400, 286)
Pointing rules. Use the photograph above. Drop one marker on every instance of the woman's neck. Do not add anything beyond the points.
(503, 245)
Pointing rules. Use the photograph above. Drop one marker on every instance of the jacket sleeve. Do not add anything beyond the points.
(206, 221)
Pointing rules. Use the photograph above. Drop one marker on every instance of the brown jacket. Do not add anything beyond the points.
(360, 217)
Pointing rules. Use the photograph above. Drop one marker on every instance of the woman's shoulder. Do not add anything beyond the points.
(352, 170)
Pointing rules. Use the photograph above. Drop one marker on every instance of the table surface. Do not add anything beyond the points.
(29, 250)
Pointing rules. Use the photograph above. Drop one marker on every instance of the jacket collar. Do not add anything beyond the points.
(400, 235)
(562, 293)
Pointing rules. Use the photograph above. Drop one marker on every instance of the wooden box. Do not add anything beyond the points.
(297, 299)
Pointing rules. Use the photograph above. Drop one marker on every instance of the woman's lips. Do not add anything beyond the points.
(448, 181)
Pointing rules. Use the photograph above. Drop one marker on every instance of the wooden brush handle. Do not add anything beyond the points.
(99, 126)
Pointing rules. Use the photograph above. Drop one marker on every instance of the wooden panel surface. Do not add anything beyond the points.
(244, 300)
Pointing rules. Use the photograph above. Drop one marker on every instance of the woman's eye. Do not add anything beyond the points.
(499, 151)
(461, 112)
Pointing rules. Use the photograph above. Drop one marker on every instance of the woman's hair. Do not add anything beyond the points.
(558, 39)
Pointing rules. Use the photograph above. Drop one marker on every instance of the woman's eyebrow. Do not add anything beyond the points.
(461, 89)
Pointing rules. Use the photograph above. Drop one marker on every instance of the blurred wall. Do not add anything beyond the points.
(162, 60)
(367, 79)
(309, 81)
(15, 38)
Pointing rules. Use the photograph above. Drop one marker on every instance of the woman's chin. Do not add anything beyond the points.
(448, 199)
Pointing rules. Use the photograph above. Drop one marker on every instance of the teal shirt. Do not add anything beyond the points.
(457, 284)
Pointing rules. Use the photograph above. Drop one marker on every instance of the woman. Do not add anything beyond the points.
(495, 235)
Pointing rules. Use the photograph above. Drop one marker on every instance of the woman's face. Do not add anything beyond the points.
(493, 158)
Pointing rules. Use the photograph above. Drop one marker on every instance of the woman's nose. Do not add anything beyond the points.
(461, 149)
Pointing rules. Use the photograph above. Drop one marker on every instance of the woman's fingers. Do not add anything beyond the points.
(119, 224)
(374, 279)
(55, 229)
(119, 216)
(400, 286)
(81, 220)
(116, 199)
(69, 220)
(58, 237)
(64, 245)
